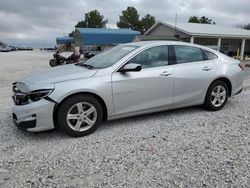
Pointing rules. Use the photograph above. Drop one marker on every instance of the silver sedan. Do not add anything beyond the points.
(128, 80)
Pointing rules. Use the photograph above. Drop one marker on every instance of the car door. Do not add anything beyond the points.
(150, 88)
(193, 75)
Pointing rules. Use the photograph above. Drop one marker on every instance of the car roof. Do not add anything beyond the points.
(158, 42)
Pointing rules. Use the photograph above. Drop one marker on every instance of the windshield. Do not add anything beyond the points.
(110, 57)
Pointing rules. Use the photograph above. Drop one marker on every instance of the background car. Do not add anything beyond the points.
(128, 80)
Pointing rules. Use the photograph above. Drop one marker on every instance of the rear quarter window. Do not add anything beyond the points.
(210, 55)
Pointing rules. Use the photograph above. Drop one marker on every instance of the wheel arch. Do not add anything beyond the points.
(227, 82)
(57, 106)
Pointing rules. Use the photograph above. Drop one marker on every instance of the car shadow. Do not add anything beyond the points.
(57, 134)
(154, 115)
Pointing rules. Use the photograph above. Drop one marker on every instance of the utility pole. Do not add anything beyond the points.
(175, 23)
(175, 30)
(87, 23)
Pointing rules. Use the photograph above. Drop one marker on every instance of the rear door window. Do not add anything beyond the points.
(187, 54)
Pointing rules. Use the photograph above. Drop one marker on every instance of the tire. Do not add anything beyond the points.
(80, 115)
(215, 99)
(52, 63)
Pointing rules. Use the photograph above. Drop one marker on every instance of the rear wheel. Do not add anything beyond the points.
(80, 115)
(216, 96)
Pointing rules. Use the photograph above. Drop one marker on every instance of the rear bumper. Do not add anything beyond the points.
(237, 82)
(34, 117)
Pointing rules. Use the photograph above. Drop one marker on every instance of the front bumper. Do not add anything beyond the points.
(34, 117)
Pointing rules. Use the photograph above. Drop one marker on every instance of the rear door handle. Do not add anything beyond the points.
(165, 73)
(206, 68)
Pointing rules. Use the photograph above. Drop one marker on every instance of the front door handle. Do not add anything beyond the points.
(206, 68)
(165, 73)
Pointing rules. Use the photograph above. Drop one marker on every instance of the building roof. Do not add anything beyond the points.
(64, 40)
(101, 36)
(152, 37)
(160, 42)
(211, 30)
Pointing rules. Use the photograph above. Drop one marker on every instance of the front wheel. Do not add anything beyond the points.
(216, 96)
(80, 115)
(52, 63)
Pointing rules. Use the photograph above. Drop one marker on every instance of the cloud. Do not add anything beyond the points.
(40, 22)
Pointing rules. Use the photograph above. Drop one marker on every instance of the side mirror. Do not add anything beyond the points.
(131, 67)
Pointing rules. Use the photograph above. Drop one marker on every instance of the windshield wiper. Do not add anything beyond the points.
(85, 65)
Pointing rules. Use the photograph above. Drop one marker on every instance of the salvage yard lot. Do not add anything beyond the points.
(185, 147)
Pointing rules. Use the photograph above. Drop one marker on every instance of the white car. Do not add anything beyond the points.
(128, 80)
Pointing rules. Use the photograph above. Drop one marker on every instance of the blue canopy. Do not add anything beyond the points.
(98, 36)
(64, 40)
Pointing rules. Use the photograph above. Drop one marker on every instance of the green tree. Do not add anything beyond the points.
(146, 22)
(93, 19)
(203, 20)
(82, 23)
(71, 34)
(193, 19)
(247, 26)
(129, 19)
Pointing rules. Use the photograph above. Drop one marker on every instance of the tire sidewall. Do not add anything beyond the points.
(52, 62)
(208, 103)
(67, 104)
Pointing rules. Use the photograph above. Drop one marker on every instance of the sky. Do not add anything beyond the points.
(37, 23)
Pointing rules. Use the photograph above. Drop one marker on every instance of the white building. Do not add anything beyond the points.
(225, 39)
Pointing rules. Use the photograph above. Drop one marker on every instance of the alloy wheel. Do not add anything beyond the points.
(218, 95)
(81, 116)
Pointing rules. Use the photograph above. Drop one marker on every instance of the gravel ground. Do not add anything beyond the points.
(188, 147)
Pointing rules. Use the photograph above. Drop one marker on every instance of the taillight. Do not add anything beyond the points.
(242, 66)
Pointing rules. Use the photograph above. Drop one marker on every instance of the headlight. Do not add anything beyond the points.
(20, 87)
(22, 94)
(20, 98)
(39, 94)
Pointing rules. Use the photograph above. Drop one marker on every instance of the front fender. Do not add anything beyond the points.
(100, 86)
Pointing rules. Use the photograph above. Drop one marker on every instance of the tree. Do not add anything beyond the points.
(82, 23)
(129, 19)
(206, 20)
(193, 19)
(93, 19)
(247, 26)
(71, 34)
(203, 20)
(146, 22)
(242, 26)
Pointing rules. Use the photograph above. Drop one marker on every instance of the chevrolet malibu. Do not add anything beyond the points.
(128, 80)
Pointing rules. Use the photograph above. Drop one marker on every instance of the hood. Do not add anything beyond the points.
(59, 74)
